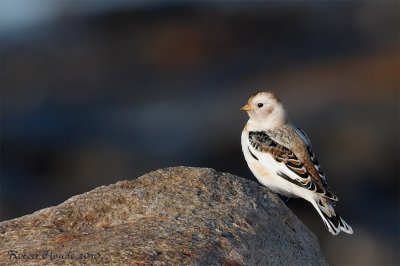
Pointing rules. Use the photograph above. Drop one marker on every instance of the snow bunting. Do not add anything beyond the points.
(280, 156)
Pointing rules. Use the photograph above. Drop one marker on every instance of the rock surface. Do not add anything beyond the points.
(173, 216)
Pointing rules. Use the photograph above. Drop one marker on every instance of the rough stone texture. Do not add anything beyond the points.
(173, 216)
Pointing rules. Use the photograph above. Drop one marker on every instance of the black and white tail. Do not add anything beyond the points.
(333, 222)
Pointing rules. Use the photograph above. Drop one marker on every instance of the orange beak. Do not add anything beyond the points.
(246, 108)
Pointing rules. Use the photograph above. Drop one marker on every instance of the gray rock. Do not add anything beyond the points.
(173, 216)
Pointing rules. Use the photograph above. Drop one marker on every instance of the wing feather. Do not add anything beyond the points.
(262, 142)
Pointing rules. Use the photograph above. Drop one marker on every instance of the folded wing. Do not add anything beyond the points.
(307, 172)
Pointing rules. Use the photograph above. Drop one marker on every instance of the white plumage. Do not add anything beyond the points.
(280, 156)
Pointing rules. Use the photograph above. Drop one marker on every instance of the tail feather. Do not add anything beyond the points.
(333, 222)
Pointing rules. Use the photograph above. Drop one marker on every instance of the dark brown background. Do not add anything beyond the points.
(96, 92)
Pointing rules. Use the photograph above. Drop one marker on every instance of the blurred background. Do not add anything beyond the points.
(93, 92)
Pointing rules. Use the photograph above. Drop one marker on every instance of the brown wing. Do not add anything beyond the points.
(312, 157)
(307, 174)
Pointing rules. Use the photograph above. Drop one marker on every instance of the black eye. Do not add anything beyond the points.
(260, 105)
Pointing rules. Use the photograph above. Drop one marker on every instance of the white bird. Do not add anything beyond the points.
(280, 156)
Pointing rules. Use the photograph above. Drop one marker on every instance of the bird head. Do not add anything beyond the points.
(265, 109)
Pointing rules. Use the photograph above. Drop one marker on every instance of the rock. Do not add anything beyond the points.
(173, 216)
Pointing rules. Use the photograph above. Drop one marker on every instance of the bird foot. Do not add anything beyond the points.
(284, 199)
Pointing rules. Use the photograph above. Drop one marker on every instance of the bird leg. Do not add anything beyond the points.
(284, 199)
